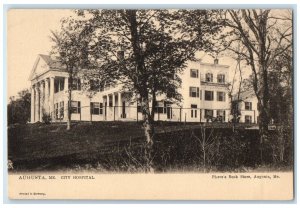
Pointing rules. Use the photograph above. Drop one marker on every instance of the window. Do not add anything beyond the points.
(221, 115)
(194, 111)
(194, 91)
(96, 108)
(221, 78)
(159, 107)
(139, 107)
(61, 109)
(248, 106)
(194, 73)
(221, 96)
(75, 107)
(209, 77)
(110, 103)
(209, 95)
(76, 84)
(59, 83)
(208, 113)
(248, 119)
(56, 110)
(167, 106)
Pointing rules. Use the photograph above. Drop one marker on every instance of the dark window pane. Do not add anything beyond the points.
(209, 95)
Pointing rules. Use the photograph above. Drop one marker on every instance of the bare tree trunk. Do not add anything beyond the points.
(149, 133)
(264, 109)
(142, 85)
(91, 119)
(153, 105)
(281, 143)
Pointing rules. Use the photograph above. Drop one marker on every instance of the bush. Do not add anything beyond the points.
(46, 118)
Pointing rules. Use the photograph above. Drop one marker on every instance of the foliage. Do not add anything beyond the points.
(71, 51)
(264, 35)
(18, 109)
(46, 118)
(145, 51)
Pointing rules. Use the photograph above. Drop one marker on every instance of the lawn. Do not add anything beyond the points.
(52, 147)
(43, 142)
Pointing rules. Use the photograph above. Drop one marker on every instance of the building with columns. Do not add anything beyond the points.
(204, 93)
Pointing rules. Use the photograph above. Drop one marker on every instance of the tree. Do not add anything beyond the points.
(233, 95)
(90, 86)
(281, 110)
(266, 35)
(71, 49)
(18, 110)
(146, 49)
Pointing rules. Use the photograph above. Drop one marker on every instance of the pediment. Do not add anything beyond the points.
(40, 66)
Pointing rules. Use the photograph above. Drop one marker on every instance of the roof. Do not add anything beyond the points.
(52, 63)
(212, 64)
(245, 95)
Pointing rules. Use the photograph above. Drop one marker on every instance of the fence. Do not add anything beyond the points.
(134, 113)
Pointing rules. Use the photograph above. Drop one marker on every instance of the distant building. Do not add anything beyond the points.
(248, 107)
(204, 92)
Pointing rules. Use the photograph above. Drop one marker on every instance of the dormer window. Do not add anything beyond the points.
(209, 77)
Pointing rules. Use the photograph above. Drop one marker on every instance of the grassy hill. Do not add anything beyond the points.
(118, 146)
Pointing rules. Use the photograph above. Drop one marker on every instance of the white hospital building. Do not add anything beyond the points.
(204, 93)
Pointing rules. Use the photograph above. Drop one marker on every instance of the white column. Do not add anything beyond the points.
(114, 99)
(51, 97)
(37, 102)
(66, 87)
(46, 105)
(108, 108)
(32, 103)
(114, 108)
(42, 99)
(119, 104)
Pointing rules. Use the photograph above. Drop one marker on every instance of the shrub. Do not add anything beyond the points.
(46, 118)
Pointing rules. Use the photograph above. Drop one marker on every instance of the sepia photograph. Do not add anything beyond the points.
(122, 97)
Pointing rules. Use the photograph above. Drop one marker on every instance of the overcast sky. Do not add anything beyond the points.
(28, 35)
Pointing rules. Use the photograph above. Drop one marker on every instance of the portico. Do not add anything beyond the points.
(112, 106)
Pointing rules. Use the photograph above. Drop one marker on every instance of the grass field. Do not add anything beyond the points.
(40, 142)
(52, 147)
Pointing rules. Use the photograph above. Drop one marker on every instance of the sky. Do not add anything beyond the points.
(28, 34)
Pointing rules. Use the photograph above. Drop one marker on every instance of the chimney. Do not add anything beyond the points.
(216, 61)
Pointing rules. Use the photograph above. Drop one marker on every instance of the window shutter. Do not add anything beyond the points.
(197, 91)
(200, 94)
(91, 107)
(79, 108)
